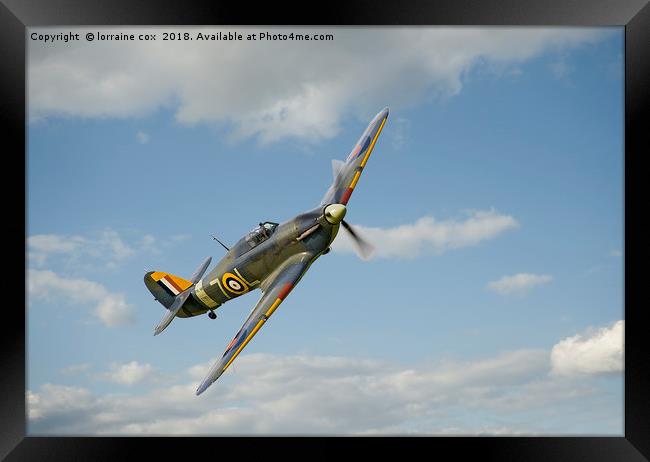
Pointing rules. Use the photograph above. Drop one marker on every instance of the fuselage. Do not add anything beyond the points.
(257, 255)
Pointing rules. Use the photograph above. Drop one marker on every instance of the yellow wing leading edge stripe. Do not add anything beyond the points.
(284, 291)
(372, 145)
(248, 339)
(257, 327)
(348, 192)
(355, 179)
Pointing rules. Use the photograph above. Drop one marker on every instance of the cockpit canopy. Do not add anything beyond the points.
(254, 237)
(260, 233)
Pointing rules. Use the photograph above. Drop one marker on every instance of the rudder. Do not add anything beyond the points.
(165, 286)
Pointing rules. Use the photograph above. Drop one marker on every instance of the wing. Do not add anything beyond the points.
(346, 175)
(275, 289)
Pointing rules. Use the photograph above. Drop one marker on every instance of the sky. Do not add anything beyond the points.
(494, 198)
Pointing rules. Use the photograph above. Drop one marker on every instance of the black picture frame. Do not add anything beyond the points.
(17, 15)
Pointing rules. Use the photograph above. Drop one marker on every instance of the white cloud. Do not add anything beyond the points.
(427, 235)
(52, 243)
(306, 394)
(615, 253)
(519, 283)
(130, 373)
(57, 400)
(75, 369)
(111, 308)
(180, 237)
(292, 89)
(597, 351)
(142, 137)
(293, 394)
(112, 240)
(107, 245)
(43, 245)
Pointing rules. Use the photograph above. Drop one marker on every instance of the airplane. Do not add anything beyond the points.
(272, 257)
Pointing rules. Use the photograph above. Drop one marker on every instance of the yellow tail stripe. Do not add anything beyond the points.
(372, 145)
(180, 282)
(158, 275)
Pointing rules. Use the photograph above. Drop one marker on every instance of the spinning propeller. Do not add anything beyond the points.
(334, 214)
(363, 248)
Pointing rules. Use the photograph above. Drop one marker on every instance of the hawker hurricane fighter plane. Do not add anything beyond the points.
(272, 257)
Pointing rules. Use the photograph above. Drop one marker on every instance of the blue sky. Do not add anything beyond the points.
(494, 196)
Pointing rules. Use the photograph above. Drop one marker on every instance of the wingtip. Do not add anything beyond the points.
(383, 114)
(210, 378)
(204, 386)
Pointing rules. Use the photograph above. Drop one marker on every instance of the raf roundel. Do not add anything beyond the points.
(234, 284)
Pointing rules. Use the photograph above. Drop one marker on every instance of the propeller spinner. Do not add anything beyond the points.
(334, 214)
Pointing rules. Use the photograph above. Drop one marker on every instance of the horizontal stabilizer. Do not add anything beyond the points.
(198, 273)
(171, 314)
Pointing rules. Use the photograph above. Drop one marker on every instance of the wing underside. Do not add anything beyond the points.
(347, 174)
(276, 289)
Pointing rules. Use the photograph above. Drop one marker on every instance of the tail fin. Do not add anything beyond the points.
(165, 286)
(172, 291)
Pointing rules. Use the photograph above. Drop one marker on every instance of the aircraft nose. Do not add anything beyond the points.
(334, 213)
